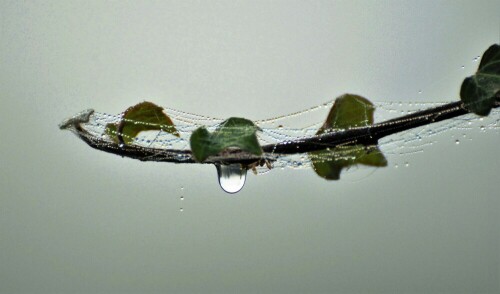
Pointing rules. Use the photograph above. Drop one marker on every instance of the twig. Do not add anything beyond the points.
(367, 136)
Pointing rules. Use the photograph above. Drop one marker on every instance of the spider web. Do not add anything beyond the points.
(287, 128)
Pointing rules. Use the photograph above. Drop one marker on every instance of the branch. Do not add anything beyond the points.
(367, 136)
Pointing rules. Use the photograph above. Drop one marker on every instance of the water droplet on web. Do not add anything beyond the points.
(181, 209)
(396, 165)
(463, 66)
(419, 91)
(231, 177)
(457, 142)
(182, 198)
(407, 164)
(482, 128)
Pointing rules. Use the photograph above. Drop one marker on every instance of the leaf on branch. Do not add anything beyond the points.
(145, 116)
(348, 111)
(478, 91)
(234, 132)
(329, 163)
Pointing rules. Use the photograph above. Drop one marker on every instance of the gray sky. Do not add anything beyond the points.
(75, 220)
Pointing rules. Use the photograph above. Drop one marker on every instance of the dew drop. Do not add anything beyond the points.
(121, 145)
(463, 66)
(231, 177)
(457, 142)
(482, 128)
(181, 209)
(396, 165)
(182, 198)
(407, 164)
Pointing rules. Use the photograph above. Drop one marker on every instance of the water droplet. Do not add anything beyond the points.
(482, 128)
(419, 91)
(463, 66)
(181, 209)
(396, 165)
(407, 164)
(182, 188)
(121, 145)
(457, 142)
(182, 198)
(231, 177)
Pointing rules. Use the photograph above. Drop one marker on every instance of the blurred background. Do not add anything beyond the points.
(76, 220)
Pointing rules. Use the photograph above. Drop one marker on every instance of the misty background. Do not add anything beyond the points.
(76, 220)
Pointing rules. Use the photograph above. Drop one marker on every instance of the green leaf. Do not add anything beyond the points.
(234, 132)
(478, 91)
(329, 163)
(348, 111)
(145, 116)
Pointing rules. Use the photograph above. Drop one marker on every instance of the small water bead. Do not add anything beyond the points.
(181, 209)
(482, 128)
(407, 164)
(231, 177)
(396, 165)
(457, 141)
(181, 198)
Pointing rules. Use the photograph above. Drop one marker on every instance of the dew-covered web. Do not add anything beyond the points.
(290, 127)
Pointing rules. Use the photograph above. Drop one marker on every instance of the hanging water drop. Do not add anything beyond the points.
(457, 142)
(231, 177)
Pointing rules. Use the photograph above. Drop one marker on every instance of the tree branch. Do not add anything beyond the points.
(369, 135)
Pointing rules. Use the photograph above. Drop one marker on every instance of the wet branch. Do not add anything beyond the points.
(367, 136)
